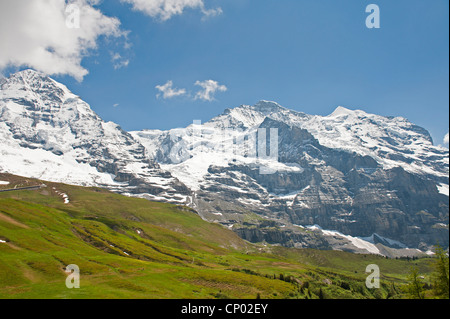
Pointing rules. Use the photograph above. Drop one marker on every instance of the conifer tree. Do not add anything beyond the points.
(415, 288)
(440, 276)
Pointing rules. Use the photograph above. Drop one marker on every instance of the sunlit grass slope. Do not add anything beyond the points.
(133, 248)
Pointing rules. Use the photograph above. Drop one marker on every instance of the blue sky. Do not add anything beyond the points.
(308, 55)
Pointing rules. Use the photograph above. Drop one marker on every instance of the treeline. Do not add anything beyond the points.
(320, 284)
(438, 284)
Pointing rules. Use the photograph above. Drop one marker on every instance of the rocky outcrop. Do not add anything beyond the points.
(279, 236)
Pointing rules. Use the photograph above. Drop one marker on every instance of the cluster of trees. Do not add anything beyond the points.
(417, 289)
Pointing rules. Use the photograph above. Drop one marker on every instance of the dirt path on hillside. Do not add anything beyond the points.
(12, 221)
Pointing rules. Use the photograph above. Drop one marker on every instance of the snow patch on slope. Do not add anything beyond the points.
(443, 189)
(45, 165)
(355, 241)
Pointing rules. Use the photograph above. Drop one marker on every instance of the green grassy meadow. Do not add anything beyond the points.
(133, 248)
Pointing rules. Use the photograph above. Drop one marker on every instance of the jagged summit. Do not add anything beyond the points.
(32, 79)
(268, 107)
(26, 74)
(251, 116)
(34, 96)
(30, 73)
(36, 90)
(342, 111)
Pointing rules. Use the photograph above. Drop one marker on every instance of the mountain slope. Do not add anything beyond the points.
(133, 248)
(49, 133)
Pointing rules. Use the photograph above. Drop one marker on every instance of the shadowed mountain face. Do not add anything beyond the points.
(264, 171)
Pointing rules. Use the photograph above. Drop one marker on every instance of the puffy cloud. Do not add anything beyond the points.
(446, 139)
(165, 9)
(52, 36)
(168, 91)
(210, 88)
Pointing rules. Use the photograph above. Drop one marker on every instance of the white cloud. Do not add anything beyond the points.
(166, 9)
(168, 91)
(118, 61)
(40, 34)
(210, 88)
(446, 139)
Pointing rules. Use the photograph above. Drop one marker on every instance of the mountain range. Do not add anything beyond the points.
(348, 181)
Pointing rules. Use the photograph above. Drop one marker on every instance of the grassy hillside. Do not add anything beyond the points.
(133, 248)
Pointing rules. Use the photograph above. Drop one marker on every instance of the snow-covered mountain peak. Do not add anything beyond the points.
(251, 116)
(268, 107)
(343, 111)
(391, 141)
(30, 81)
(30, 75)
(244, 116)
(47, 132)
(32, 96)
